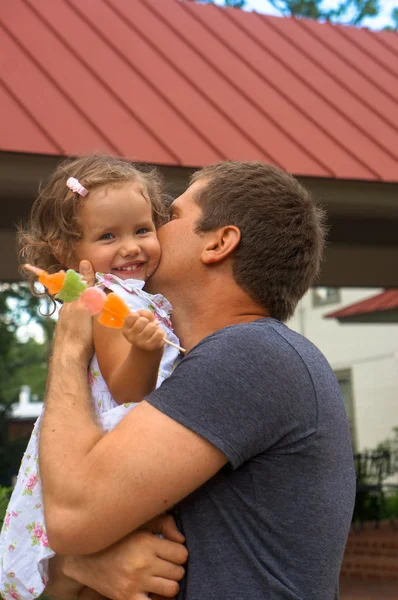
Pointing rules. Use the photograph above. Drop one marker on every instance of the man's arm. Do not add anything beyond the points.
(108, 485)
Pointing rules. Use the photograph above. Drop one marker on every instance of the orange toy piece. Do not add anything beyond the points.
(53, 283)
(114, 312)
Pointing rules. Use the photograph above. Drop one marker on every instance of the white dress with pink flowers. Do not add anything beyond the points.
(24, 548)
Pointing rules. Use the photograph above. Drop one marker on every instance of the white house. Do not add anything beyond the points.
(363, 356)
(25, 409)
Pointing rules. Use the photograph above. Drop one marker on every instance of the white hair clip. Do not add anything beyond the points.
(75, 185)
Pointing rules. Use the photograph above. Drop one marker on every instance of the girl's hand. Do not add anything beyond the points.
(142, 330)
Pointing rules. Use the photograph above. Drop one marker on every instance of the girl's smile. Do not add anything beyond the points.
(119, 234)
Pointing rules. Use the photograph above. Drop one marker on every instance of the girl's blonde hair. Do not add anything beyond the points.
(54, 222)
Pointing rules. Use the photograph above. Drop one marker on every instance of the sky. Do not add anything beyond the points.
(378, 22)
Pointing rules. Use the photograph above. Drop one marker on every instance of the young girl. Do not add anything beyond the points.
(106, 211)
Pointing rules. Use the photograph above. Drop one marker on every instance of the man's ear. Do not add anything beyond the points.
(220, 244)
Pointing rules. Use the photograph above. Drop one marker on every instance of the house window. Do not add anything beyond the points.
(323, 296)
(344, 378)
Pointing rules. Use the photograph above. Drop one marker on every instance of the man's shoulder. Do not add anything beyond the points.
(260, 330)
(265, 347)
(266, 334)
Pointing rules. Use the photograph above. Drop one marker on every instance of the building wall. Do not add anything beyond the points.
(365, 359)
(362, 244)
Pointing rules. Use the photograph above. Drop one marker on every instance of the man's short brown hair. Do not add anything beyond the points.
(282, 230)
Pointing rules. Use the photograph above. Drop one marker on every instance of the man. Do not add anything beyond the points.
(248, 438)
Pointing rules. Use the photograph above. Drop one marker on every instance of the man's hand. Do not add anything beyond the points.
(142, 330)
(74, 333)
(140, 564)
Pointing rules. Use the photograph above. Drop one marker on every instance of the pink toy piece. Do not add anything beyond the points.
(93, 299)
(75, 185)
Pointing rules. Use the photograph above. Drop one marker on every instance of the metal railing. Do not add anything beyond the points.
(377, 492)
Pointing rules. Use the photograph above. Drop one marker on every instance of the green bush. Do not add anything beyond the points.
(389, 508)
(5, 493)
(376, 499)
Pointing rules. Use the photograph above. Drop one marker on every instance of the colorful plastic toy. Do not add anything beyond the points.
(70, 286)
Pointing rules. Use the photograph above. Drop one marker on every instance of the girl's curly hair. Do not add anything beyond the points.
(54, 218)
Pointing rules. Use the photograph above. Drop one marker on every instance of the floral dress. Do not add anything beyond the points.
(24, 549)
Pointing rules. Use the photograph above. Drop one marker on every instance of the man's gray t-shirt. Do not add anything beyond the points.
(272, 524)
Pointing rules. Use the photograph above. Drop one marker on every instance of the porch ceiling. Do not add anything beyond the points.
(363, 219)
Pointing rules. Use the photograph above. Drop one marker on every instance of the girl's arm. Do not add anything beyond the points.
(129, 358)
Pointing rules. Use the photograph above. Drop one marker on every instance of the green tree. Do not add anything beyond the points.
(349, 11)
(21, 363)
(5, 494)
(352, 12)
(19, 360)
(390, 444)
(230, 3)
(394, 19)
(28, 361)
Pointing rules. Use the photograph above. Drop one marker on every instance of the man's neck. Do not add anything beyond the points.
(192, 324)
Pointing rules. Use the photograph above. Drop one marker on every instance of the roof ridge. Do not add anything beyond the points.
(151, 84)
(297, 75)
(272, 85)
(361, 99)
(333, 49)
(383, 301)
(380, 40)
(208, 98)
(316, 90)
(247, 97)
(338, 81)
(353, 42)
(353, 93)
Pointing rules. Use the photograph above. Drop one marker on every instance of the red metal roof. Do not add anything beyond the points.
(178, 83)
(387, 300)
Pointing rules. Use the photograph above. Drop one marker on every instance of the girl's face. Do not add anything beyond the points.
(119, 235)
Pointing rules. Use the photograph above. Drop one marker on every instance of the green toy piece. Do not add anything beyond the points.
(72, 288)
